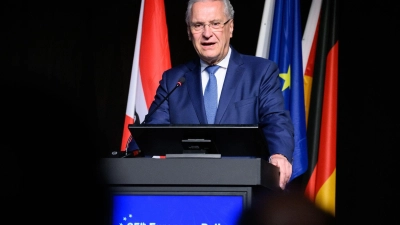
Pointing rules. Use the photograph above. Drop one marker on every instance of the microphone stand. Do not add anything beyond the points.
(178, 84)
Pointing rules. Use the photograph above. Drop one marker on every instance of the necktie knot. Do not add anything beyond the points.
(212, 69)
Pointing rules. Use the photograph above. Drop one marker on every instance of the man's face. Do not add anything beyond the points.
(211, 45)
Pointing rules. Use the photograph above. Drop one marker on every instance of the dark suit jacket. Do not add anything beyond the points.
(251, 95)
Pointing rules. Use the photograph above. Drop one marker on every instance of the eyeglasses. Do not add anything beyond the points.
(215, 26)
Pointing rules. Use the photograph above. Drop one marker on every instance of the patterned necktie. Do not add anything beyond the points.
(211, 94)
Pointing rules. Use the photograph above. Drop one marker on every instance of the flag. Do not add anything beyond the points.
(264, 36)
(151, 58)
(322, 121)
(308, 44)
(286, 51)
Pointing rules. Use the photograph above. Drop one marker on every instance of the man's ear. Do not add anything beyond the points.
(189, 34)
(231, 29)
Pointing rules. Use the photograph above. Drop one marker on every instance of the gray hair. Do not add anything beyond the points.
(228, 8)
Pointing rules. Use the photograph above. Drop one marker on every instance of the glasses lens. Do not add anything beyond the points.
(216, 26)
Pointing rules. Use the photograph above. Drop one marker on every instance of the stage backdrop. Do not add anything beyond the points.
(66, 67)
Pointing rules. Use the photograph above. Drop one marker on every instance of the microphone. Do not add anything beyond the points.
(178, 84)
(137, 153)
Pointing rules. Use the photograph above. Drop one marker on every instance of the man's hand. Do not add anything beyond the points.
(285, 168)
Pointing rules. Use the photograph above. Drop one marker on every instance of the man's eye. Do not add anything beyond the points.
(216, 24)
(197, 25)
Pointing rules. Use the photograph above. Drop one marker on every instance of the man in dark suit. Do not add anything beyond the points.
(247, 91)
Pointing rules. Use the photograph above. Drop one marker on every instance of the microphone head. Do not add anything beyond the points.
(181, 81)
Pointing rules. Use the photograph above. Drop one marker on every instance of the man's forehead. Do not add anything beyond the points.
(207, 11)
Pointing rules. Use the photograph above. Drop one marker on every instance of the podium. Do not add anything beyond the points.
(232, 176)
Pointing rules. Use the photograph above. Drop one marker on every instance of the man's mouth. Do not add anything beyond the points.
(207, 43)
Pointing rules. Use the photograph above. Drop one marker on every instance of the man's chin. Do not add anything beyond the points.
(209, 58)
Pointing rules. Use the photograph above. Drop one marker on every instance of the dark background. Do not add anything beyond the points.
(65, 81)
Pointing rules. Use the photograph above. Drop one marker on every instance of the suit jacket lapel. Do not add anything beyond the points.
(193, 82)
(233, 77)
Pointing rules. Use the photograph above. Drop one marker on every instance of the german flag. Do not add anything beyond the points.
(322, 116)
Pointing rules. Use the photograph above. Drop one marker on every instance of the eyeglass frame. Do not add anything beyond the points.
(203, 26)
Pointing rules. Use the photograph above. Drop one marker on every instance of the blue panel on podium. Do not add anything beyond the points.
(184, 207)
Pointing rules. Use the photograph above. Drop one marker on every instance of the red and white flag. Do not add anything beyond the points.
(151, 58)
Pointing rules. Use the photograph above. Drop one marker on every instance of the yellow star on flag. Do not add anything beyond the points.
(286, 78)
